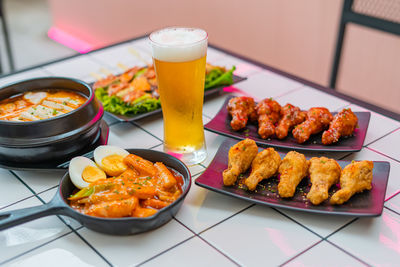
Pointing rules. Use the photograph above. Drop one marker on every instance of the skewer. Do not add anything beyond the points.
(122, 66)
(137, 55)
(105, 71)
(96, 75)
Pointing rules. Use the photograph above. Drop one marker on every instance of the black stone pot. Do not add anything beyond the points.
(53, 138)
(113, 226)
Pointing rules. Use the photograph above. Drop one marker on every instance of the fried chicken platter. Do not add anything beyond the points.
(288, 126)
(274, 120)
(293, 180)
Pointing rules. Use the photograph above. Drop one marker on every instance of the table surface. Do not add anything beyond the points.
(210, 228)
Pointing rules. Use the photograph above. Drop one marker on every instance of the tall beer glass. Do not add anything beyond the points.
(179, 56)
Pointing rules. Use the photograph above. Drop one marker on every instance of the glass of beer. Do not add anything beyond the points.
(179, 56)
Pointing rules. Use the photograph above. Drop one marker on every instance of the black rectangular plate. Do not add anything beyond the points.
(367, 203)
(220, 124)
(207, 93)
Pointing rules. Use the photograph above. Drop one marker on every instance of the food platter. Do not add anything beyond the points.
(209, 92)
(368, 203)
(101, 139)
(220, 124)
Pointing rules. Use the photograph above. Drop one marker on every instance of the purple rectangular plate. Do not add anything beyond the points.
(220, 124)
(207, 92)
(367, 203)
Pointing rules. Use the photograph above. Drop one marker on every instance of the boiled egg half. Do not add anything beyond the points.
(110, 159)
(84, 171)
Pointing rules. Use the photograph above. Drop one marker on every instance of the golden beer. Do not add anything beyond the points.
(180, 71)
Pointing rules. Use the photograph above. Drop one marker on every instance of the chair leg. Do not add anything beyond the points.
(7, 43)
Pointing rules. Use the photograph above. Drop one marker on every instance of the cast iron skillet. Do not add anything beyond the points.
(114, 226)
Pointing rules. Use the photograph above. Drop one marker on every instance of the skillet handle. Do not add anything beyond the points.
(15, 217)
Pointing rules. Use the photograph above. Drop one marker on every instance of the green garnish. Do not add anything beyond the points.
(218, 77)
(87, 191)
(115, 104)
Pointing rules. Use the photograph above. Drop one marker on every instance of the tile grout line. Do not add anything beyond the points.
(198, 235)
(102, 64)
(342, 107)
(389, 198)
(208, 117)
(348, 253)
(227, 218)
(392, 210)
(23, 182)
(16, 202)
(140, 127)
(301, 253)
(322, 238)
(113, 123)
(380, 153)
(91, 246)
(379, 138)
(211, 245)
(165, 251)
(155, 146)
(340, 228)
(301, 87)
(34, 248)
(62, 220)
(26, 198)
(83, 239)
(295, 221)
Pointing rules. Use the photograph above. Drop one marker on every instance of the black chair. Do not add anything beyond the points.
(6, 39)
(381, 15)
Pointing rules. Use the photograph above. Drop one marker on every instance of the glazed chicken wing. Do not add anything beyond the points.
(239, 159)
(290, 117)
(241, 109)
(355, 177)
(268, 112)
(343, 124)
(264, 166)
(292, 169)
(324, 173)
(317, 120)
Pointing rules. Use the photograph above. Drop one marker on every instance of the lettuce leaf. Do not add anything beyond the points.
(217, 77)
(116, 105)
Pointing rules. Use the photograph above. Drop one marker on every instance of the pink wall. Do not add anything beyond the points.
(296, 36)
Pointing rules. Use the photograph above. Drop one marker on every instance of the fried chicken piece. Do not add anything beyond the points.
(105, 82)
(241, 109)
(128, 75)
(317, 120)
(293, 169)
(324, 173)
(290, 117)
(268, 112)
(239, 159)
(355, 177)
(264, 166)
(114, 88)
(343, 124)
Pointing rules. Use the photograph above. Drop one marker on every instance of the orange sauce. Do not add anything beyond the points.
(39, 105)
(140, 191)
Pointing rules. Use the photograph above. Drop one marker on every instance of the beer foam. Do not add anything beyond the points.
(179, 44)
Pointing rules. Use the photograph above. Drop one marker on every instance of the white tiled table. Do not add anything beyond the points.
(210, 229)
